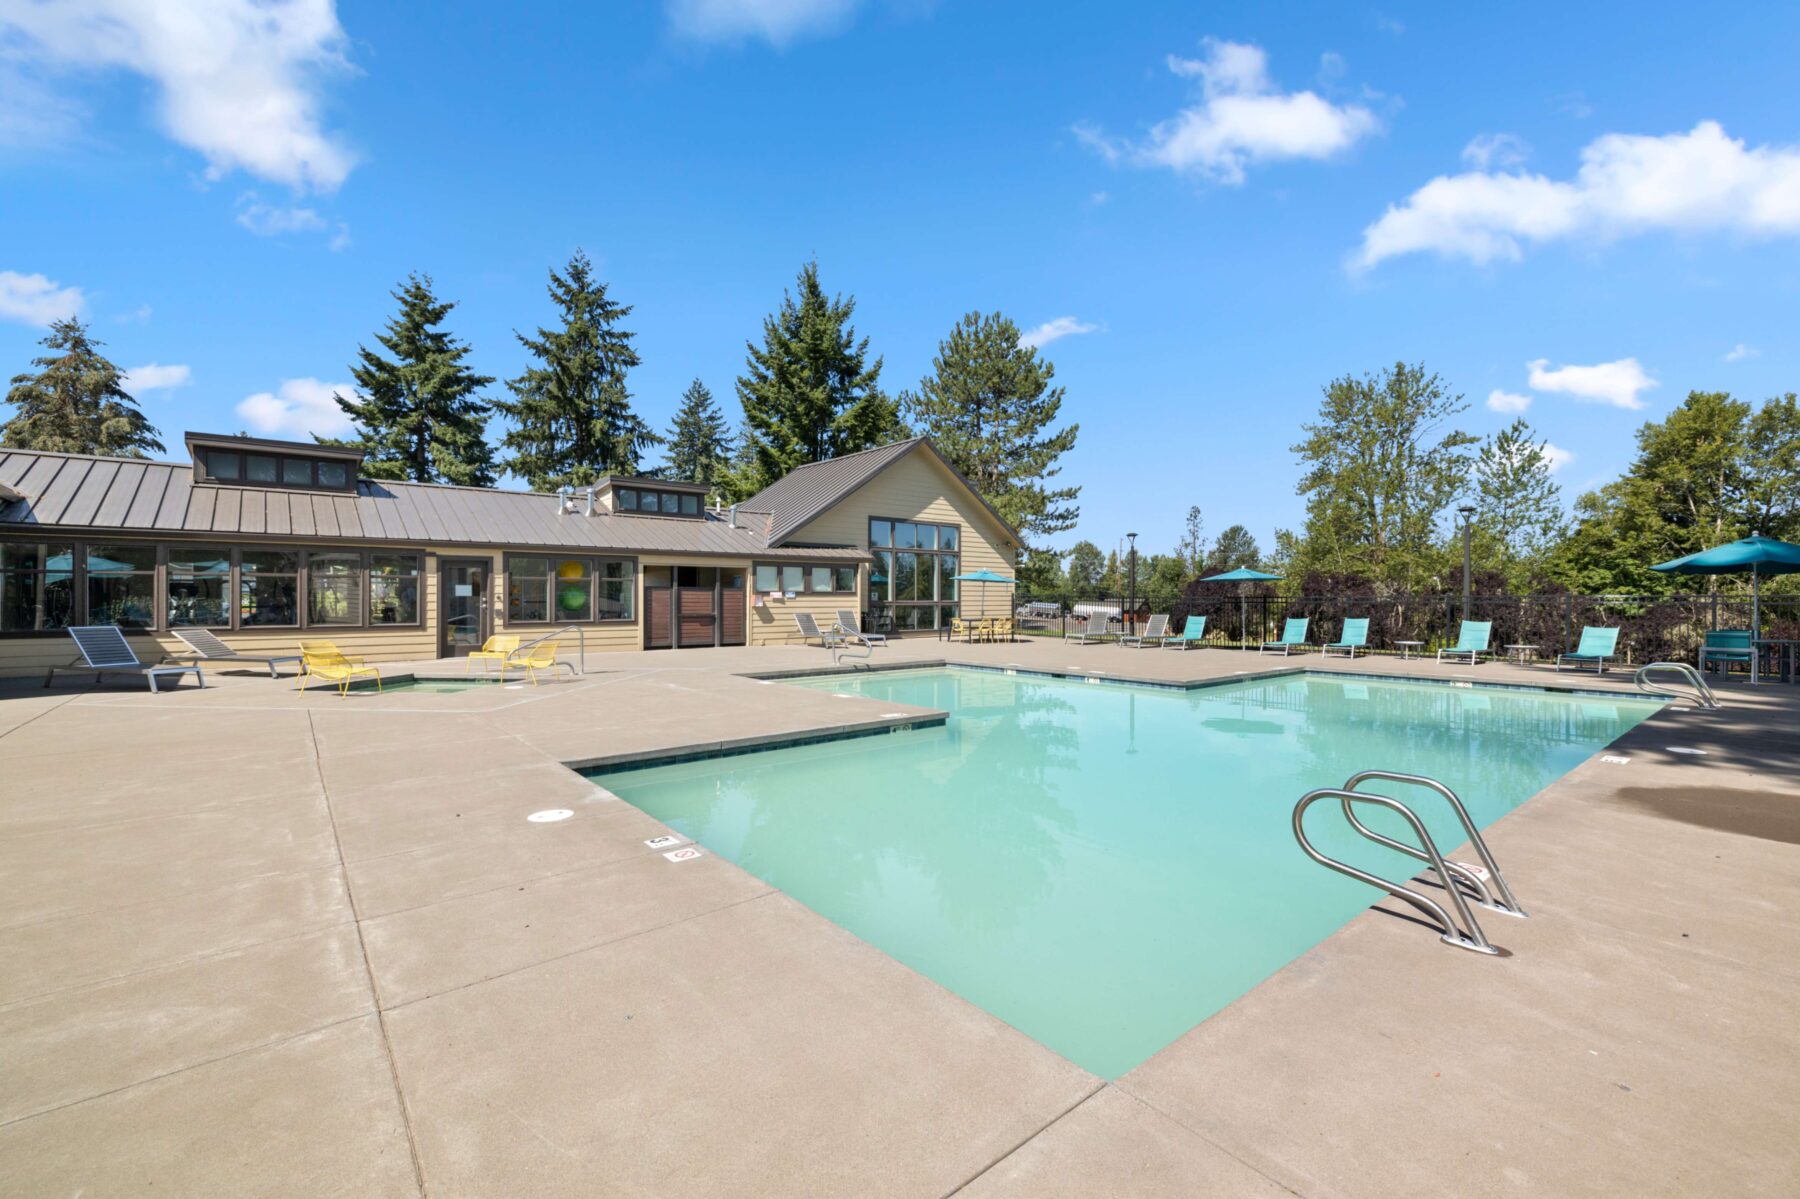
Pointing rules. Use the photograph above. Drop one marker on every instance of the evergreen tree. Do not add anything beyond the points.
(1380, 472)
(1113, 577)
(75, 403)
(699, 450)
(1086, 566)
(419, 415)
(571, 409)
(1518, 505)
(1235, 548)
(809, 391)
(988, 406)
(1192, 550)
(1041, 573)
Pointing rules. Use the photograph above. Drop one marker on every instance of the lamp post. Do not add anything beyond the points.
(1468, 515)
(1132, 575)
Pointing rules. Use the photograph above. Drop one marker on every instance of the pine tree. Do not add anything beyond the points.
(571, 411)
(419, 415)
(1518, 505)
(699, 450)
(809, 391)
(76, 402)
(988, 406)
(1192, 550)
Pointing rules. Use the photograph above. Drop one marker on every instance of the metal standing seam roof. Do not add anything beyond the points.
(805, 492)
(133, 495)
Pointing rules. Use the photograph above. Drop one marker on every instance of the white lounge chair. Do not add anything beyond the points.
(1156, 631)
(847, 622)
(1084, 631)
(105, 651)
(208, 648)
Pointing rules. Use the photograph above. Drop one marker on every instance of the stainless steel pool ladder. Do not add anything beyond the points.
(1455, 877)
(1702, 695)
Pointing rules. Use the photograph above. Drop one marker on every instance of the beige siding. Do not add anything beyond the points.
(919, 488)
(773, 623)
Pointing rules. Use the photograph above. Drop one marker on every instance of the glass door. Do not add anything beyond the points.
(462, 605)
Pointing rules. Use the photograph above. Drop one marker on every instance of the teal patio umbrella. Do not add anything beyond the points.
(984, 577)
(1243, 574)
(1757, 554)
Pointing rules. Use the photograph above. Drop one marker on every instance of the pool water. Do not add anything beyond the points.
(1103, 866)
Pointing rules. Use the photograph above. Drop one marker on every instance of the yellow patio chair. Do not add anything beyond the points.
(533, 658)
(333, 667)
(495, 649)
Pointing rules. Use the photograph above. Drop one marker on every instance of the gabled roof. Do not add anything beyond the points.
(78, 492)
(806, 492)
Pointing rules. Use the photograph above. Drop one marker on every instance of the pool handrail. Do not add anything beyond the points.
(1702, 696)
(579, 666)
(1506, 905)
(1474, 940)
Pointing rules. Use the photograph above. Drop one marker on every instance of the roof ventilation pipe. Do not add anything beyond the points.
(592, 491)
(734, 509)
(565, 496)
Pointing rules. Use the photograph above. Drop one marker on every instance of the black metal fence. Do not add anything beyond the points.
(1651, 628)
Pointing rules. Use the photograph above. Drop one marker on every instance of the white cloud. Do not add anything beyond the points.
(340, 240)
(1740, 351)
(1557, 457)
(1696, 182)
(299, 408)
(777, 22)
(1238, 119)
(239, 81)
(1617, 383)
(1495, 149)
(1507, 401)
(268, 220)
(36, 300)
(1049, 331)
(155, 377)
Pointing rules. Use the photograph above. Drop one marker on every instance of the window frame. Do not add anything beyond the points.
(927, 560)
(653, 501)
(806, 569)
(277, 462)
(596, 576)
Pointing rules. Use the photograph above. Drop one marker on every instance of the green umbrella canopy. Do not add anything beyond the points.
(1242, 574)
(1759, 555)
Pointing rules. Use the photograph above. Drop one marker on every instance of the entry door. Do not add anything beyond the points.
(697, 605)
(463, 611)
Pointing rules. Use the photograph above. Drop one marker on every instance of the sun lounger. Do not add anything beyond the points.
(1354, 637)
(1293, 636)
(208, 648)
(497, 648)
(325, 661)
(105, 651)
(1156, 631)
(539, 655)
(1471, 643)
(848, 622)
(1084, 631)
(1597, 646)
(1192, 634)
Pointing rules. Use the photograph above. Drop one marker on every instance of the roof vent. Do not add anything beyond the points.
(565, 499)
(734, 509)
(592, 491)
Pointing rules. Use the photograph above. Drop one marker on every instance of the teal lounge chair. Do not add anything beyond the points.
(1293, 636)
(1725, 646)
(1597, 646)
(1192, 634)
(1472, 643)
(1355, 637)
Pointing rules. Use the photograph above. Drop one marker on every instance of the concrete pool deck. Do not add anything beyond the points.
(264, 943)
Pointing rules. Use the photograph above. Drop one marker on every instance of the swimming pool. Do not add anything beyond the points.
(1103, 866)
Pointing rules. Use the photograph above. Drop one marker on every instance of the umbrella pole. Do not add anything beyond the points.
(1755, 620)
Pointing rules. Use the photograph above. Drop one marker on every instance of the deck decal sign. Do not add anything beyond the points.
(663, 842)
(1614, 759)
(550, 815)
(686, 853)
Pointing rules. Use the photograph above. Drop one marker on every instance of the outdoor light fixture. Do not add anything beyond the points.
(1468, 515)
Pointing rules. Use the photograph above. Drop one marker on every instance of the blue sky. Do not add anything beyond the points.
(1223, 206)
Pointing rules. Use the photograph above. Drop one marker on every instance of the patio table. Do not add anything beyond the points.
(1522, 650)
(1406, 648)
(1786, 649)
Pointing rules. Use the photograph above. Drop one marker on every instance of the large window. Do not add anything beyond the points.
(543, 589)
(270, 470)
(121, 585)
(268, 589)
(655, 503)
(393, 589)
(913, 579)
(334, 589)
(199, 586)
(37, 586)
(802, 579)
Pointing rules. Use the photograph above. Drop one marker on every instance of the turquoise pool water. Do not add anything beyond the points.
(1104, 866)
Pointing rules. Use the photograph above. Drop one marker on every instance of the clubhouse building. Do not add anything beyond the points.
(269, 542)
